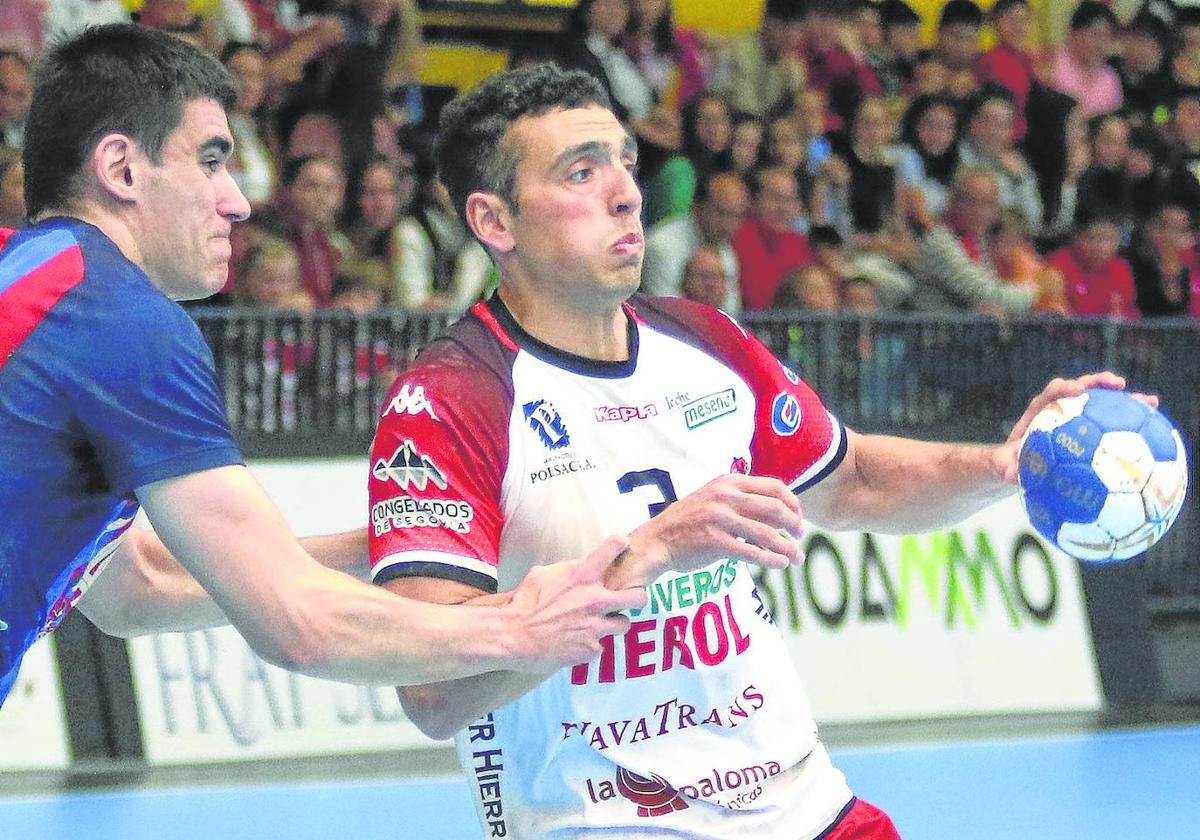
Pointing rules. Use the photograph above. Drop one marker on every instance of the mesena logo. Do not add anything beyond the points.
(709, 408)
(407, 512)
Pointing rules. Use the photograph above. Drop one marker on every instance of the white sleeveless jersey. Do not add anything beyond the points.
(496, 452)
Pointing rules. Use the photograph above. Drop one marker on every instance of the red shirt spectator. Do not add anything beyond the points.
(1093, 288)
(1013, 70)
(766, 255)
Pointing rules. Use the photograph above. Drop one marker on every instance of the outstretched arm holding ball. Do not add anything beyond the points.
(901, 486)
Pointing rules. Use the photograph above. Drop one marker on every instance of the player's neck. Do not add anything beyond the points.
(600, 335)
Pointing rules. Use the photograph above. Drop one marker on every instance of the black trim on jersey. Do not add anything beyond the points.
(581, 365)
(442, 571)
(838, 819)
(837, 459)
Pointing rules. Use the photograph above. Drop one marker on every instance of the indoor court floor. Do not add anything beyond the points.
(1106, 785)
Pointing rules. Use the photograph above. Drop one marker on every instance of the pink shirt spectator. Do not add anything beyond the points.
(1097, 90)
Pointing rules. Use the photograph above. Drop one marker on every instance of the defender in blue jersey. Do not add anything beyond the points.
(109, 401)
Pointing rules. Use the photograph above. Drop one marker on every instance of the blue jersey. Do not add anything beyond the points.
(106, 385)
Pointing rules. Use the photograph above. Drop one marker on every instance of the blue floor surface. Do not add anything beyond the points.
(1101, 786)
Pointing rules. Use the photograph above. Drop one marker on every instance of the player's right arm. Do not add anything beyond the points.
(300, 615)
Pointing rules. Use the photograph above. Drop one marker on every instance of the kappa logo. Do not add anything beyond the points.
(408, 466)
(548, 423)
(785, 414)
(708, 408)
(625, 413)
(409, 401)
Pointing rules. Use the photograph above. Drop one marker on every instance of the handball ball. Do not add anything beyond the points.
(1102, 475)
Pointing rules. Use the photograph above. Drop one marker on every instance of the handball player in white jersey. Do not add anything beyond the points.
(568, 407)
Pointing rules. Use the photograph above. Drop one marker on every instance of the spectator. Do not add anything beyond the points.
(902, 39)
(746, 146)
(1146, 169)
(442, 268)
(313, 191)
(16, 89)
(1166, 277)
(836, 60)
(810, 288)
(989, 143)
(12, 188)
(953, 267)
(1058, 153)
(958, 36)
(1184, 162)
(767, 244)
(928, 154)
(668, 57)
(1098, 282)
(766, 67)
(1141, 66)
(1081, 67)
(1015, 260)
(1105, 187)
(252, 164)
(707, 133)
(705, 278)
(859, 296)
(809, 113)
(721, 206)
(373, 233)
(591, 42)
(1009, 63)
(268, 275)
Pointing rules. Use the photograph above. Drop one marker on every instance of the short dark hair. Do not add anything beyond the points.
(471, 151)
(1089, 13)
(115, 78)
(1000, 7)
(960, 11)
(894, 13)
(825, 236)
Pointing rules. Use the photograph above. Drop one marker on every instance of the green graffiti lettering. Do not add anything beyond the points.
(975, 567)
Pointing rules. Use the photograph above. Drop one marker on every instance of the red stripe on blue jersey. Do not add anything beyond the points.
(33, 279)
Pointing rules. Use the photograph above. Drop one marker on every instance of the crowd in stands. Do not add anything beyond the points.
(830, 160)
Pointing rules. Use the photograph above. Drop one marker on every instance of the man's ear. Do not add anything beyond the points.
(114, 165)
(490, 219)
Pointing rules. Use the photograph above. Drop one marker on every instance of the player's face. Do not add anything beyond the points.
(188, 205)
(577, 228)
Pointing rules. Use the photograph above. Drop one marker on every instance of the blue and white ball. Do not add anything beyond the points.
(1102, 475)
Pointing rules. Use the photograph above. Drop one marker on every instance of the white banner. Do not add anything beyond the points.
(33, 732)
(982, 618)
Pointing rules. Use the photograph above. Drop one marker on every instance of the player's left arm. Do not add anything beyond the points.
(143, 589)
(897, 485)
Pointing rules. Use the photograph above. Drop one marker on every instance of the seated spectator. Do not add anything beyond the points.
(1009, 63)
(668, 57)
(268, 275)
(442, 267)
(953, 267)
(928, 154)
(1081, 67)
(1146, 169)
(721, 206)
(902, 39)
(859, 296)
(836, 60)
(1141, 66)
(746, 146)
(989, 144)
(252, 165)
(958, 47)
(705, 278)
(767, 244)
(12, 189)
(707, 134)
(591, 42)
(1015, 260)
(1056, 148)
(766, 68)
(1098, 282)
(16, 90)
(374, 233)
(1166, 276)
(810, 288)
(1105, 187)
(1183, 163)
(312, 198)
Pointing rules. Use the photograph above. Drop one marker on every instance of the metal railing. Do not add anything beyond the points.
(314, 385)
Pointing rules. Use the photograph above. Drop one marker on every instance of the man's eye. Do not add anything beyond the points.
(213, 164)
(580, 175)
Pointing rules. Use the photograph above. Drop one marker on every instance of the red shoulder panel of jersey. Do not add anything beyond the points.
(796, 439)
(34, 276)
(438, 461)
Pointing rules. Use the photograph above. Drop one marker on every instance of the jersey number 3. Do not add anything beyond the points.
(650, 478)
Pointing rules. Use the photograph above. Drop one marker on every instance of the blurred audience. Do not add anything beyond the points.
(767, 244)
(12, 188)
(16, 88)
(706, 278)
